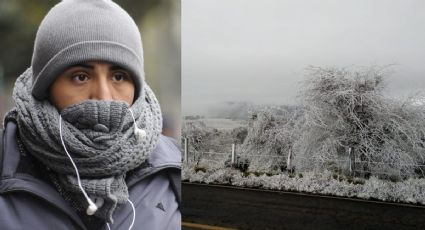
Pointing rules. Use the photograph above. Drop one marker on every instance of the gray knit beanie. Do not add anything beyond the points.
(77, 31)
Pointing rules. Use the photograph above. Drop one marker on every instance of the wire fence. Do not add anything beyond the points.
(352, 165)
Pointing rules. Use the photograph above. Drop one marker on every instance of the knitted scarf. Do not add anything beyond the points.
(99, 135)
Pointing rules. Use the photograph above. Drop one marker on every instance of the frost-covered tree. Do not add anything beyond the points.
(347, 115)
(269, 139)
(239, 134)
(197, 133)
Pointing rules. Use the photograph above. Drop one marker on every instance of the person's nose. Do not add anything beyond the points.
(101, 89)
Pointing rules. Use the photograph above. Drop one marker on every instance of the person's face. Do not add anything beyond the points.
(92, 80)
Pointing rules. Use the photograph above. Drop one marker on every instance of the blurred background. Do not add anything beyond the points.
(158, 21)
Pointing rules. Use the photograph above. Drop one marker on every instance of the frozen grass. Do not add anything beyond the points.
(326, 183)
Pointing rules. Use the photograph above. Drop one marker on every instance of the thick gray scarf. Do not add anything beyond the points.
(99, 135)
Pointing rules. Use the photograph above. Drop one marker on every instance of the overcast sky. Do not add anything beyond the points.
(257, 50)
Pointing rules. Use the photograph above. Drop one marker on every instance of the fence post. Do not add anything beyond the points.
(289, 160)
(351, 159)
(233, 153)
(186, 149)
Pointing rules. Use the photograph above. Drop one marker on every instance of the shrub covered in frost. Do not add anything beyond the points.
(269, 139)
(347, 112)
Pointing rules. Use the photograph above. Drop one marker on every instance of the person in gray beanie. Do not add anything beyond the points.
(82, 148)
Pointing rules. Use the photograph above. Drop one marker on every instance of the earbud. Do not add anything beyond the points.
(91, 209)
(94, 206)
(138, 132)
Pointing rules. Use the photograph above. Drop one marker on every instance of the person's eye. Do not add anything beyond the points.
(120, 76)
(80, 78)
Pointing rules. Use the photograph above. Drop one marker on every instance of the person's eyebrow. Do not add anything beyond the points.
(84, 65)
(117, 67)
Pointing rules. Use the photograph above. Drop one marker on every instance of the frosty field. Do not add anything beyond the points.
(326, 183)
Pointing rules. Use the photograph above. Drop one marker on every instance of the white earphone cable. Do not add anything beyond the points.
(92, 207)
(134, 120)
(134, 216)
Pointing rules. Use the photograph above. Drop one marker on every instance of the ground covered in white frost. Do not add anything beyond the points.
(326, 182)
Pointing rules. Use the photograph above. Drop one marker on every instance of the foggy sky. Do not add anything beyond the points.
(257, 51)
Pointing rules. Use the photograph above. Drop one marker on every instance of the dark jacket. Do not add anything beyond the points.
(27, 201)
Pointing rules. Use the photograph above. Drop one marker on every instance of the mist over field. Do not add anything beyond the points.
(257, 51)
